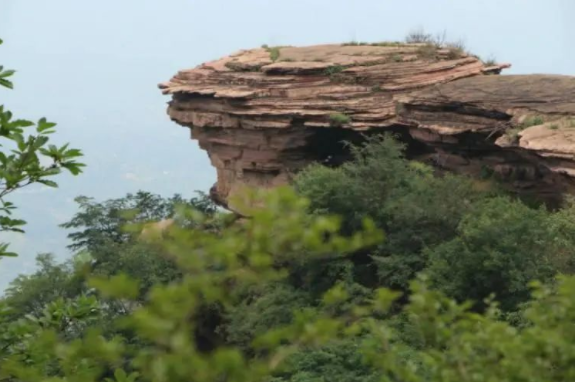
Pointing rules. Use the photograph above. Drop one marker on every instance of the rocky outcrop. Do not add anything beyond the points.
(519, 128)
(263, 114)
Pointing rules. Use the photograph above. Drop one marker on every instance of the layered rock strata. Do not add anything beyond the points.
(264, 114)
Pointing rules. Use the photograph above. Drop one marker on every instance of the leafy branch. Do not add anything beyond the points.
(24, 147)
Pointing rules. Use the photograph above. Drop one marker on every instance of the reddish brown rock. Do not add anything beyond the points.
(261, 120)
(520, 127)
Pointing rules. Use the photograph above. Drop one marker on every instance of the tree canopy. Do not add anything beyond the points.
(403, 275)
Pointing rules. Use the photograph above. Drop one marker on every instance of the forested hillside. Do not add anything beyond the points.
(382, 269)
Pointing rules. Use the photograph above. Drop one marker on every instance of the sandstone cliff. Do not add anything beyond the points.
(263, 114)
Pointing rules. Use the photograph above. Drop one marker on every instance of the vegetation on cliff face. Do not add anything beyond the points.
(379, 270)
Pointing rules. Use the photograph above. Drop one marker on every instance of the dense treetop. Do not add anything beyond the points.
(380, 270)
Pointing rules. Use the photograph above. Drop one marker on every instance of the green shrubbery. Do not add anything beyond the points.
(306, 289)
(339, 119)
(501, 246)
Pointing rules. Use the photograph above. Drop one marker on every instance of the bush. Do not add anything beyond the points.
(262, 308)
(532, 121)
(405, 199)
(339, 119)
(338, 361)
(459, 345)
(274, 52)
(455, 50)
(333, 70)
(427, 52)
(418, 36)
(501, 246)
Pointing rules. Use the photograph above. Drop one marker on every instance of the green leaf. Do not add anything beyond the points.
(21, 123)
(72, 153)
(4, 253)
(7, 73)
(116, 286)
(48, 183)
(19, 139)
(9, 224)
(7, 84)
(39, 142)
(44, 126)
(51, 171)
(74, 167)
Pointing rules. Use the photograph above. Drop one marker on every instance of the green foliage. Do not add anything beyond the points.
(501, 246)
(105, 250)
(275, 298)
(274, 52)
(418, 36)
(141, 261)
(262, 308)
(431, 43)
(514, 133)
(414, 208)
(455, 50)
(29, 294)
(4, 74)
(119, 286)
(532, 121)
(339, 119)
(354, 43)
(560, 229)
(337, 361)
(460, 345)
(98, 223)
(333, 70)
(427, 52)
(25, 150)
(380, 43)
(386, 43)
(170, 348)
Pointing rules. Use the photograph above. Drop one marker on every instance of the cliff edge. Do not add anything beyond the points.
(263, 114)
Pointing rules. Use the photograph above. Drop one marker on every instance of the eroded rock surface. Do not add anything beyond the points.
(520, 128)
(263, 114)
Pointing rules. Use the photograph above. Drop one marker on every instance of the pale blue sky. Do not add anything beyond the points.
(93, 66)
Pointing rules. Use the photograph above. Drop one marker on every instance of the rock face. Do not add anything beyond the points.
(263, 114)
(520, 128)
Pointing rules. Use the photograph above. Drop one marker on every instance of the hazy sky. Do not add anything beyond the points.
(93, 66)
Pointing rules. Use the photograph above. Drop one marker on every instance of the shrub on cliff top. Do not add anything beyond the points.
(418, 36)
